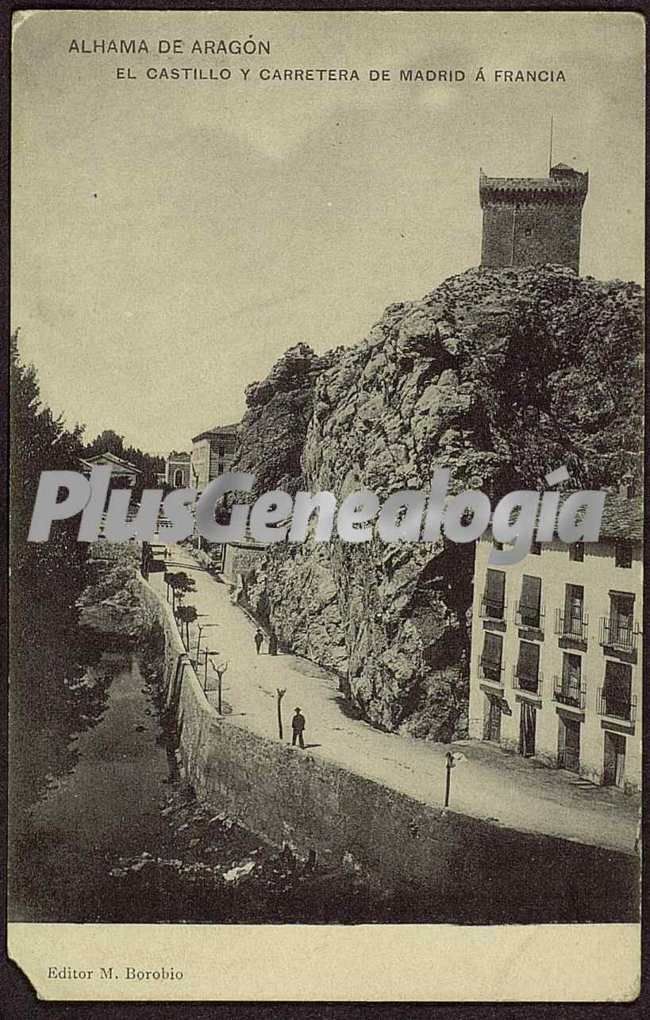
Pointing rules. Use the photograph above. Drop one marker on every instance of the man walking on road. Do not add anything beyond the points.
(259, 638)
(298, 725)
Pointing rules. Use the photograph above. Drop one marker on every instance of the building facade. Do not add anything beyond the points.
(556, 660)
(177, 470)
(213, 452)
(533, 221)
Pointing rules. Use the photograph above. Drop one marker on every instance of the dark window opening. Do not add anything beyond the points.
(623, 554)
(577, 552)
(494, 597)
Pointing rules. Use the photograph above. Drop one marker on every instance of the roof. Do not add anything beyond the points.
(178, 456)
(217, 429)
(622, 517)
(102, 458)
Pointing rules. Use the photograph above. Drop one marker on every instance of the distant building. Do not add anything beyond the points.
(533, 220)
(121, 470)
(212, 454)
(556, 661)
(177, 470)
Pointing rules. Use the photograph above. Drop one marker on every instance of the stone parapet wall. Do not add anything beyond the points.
(485, 872)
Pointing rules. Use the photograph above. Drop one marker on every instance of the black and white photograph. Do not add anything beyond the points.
(326, 500)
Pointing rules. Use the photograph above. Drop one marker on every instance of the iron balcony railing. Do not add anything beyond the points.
(569, 625)
(492, 609)
(528, 616)
(491, 672)
(568, 691)
(531, 684)
(615, 634)
(616, 704)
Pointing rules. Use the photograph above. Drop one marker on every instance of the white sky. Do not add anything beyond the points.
(233, 220)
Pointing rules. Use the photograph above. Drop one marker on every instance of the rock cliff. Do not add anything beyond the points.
(499, 375)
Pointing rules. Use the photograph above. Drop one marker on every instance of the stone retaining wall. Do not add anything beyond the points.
(482, 871)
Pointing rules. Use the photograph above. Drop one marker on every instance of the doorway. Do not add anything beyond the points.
(493, 720)
(527, 726)
(614, 760)
(570, 745)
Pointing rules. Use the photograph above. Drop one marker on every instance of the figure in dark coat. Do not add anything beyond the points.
(273, 643)
(298, 726)
(259, 639)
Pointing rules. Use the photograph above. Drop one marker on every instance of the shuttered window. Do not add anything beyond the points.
(531, 600)
(492, 655)
(495, 587)
(528, 661)
(618, 679)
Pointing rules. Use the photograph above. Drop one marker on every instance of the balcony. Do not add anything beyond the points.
(527, 684)
(622, 636)
(617, 704)
(528, 616)
(492, 609)
(570, 692)
(571, 626)
(491, 673)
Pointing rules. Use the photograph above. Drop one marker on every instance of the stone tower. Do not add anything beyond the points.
(533, 220)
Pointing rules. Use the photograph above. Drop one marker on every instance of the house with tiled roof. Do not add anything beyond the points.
(556, 656)
(121, 470)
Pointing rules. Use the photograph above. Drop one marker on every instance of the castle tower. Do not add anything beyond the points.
(533, 220)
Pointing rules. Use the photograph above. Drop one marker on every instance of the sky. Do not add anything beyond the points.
(171, 239)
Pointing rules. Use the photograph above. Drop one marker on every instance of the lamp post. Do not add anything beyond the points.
(450, 765)
(220, 668)
(280, 691)
(454, 758)
(201, 627)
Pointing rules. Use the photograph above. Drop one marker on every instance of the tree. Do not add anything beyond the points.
(186, 615)
(181, 585)
(48, 698)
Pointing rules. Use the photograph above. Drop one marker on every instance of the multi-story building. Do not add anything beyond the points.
(556, 663)
(212, 454)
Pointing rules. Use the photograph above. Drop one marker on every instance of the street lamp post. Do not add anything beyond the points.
(201, 627)
(450, 765)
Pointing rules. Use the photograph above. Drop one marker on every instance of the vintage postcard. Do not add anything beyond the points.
(326, 505)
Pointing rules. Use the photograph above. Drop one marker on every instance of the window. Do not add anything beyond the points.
(623, 554)
(221, 452)
(536, 548)
(491, 657)
(178, 478)
(577, 552)
(574, 611)
(570, 691)
(617, 692)
(494, 598)
(620, 626)
(527, 671)
(497, 545)
(530, 602)
(571, 668)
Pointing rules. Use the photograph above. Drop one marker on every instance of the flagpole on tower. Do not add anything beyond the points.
(550, 148)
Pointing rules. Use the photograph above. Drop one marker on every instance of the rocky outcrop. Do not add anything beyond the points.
(499, 375)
